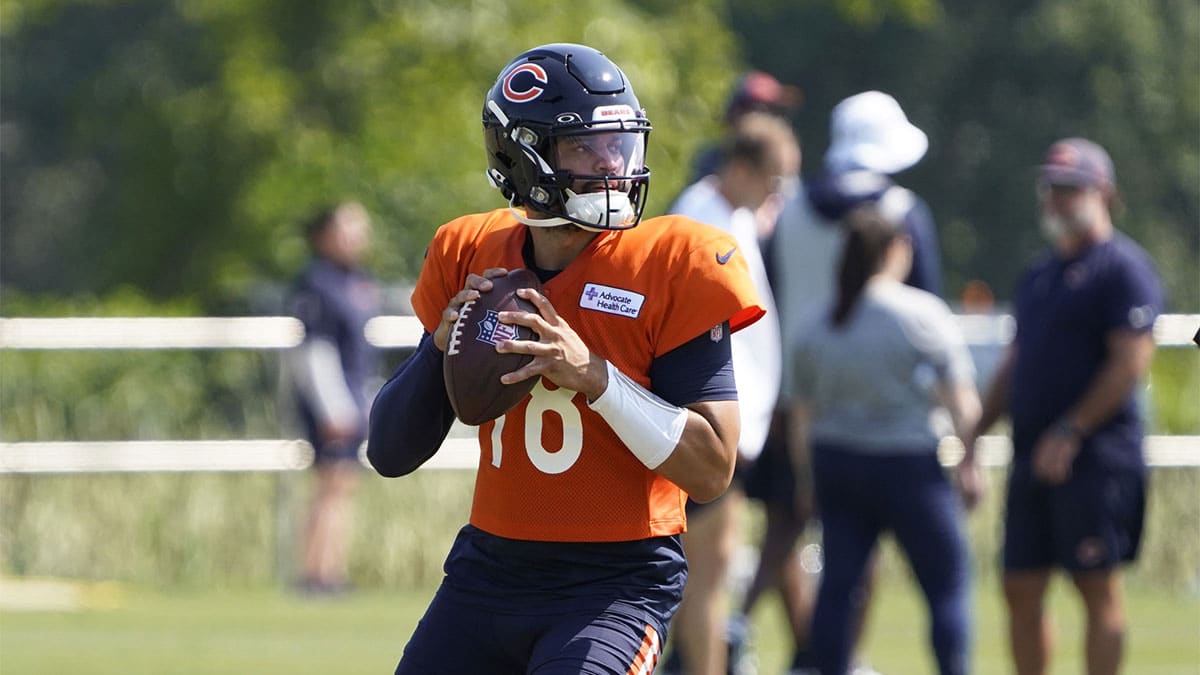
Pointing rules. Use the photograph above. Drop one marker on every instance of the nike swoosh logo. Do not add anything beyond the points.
(722, 259)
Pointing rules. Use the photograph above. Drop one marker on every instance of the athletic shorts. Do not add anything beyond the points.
(1091, 522)
(326, 452)
(509, 607)
(771, 479)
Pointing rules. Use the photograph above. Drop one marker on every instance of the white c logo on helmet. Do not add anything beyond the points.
(524, 95)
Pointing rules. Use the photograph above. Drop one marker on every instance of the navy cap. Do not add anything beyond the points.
(1079, 162)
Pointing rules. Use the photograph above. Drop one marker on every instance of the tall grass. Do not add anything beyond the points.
(237, 530)
(215, 529)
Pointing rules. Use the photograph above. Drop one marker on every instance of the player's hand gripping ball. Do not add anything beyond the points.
(472, 366)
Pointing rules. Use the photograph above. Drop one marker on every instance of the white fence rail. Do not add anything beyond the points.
(461, 451)
(107, 456)
(282, 332)
(456, 453)
(260, 332)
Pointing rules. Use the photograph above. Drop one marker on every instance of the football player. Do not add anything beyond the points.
(571, 561)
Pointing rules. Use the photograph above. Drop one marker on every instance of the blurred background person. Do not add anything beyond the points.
(332, 372)
(1084, 311)
(760, 150)
(757, 93)
(870, 140)
(882, 374)
(754, 92)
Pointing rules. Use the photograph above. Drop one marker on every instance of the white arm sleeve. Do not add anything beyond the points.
(647, 425)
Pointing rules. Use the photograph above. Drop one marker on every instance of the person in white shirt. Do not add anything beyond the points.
(756, 157)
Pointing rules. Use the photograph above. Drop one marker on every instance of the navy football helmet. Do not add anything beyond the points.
(566, 139)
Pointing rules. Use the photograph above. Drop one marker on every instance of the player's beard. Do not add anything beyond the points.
(564, 230)
(1056, 225)
(1052, 227)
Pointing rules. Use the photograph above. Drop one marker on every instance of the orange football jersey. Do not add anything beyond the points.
(550, 468)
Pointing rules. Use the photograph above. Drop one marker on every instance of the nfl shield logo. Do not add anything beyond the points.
(492, 331)
(716, 333)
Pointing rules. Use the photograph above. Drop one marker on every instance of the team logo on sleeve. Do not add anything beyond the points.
(612, 300)
(1142, 316)
(492, 331)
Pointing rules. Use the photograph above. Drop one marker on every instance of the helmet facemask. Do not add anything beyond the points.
(597, 170)
(567, 140)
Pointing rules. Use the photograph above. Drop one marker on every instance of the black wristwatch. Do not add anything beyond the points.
(1067, 428)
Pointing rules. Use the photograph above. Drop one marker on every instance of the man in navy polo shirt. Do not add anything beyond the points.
(1076, 489)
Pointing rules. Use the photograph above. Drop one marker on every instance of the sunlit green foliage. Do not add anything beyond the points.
(175, 146)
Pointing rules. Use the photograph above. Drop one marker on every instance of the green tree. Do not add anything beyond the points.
(993, 84)
(174, 146)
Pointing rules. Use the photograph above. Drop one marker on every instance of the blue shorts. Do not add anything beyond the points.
(325, 452)
(339, 452)
(1093, 521)
(511, 607)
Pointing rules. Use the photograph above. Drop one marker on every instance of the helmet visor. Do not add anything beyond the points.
(598, 157)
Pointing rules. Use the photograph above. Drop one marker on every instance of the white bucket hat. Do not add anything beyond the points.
(870, 131)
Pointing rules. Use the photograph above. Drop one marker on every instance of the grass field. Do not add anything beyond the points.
(122, 630)
(135, 626)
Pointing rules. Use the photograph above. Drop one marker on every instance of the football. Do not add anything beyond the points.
(472, 366)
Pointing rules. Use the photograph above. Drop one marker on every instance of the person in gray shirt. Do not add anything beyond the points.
(881, 375)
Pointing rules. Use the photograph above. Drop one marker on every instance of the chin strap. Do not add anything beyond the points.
(519, 214)
(592, 211)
